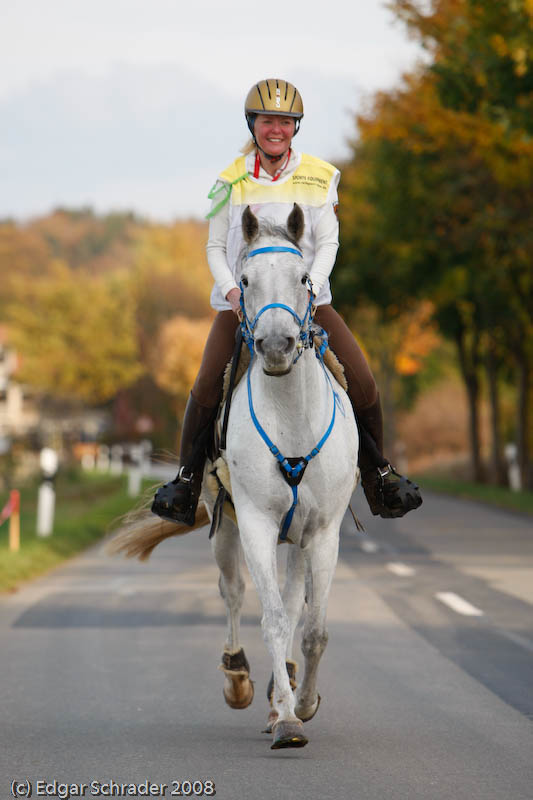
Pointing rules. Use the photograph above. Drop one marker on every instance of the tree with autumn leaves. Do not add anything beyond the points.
(96, 306)
(75, 333)
(436, 200)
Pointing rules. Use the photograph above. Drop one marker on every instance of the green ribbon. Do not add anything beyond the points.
(224, 187)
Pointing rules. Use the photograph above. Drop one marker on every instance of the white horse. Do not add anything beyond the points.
(300, 410)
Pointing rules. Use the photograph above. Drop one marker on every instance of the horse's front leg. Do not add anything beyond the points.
(259, 540)
(320, 558)
(238, 688)
(294, 592)
(293, 597)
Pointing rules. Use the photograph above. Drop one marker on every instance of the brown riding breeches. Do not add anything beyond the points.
(218, 350)
(362, 388)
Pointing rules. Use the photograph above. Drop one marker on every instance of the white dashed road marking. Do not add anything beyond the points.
(403, 570)
(458, 604)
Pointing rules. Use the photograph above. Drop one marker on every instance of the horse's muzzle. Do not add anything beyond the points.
(277, 353)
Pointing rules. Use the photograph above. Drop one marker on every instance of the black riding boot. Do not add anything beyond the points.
(388, 493)
(177, 501)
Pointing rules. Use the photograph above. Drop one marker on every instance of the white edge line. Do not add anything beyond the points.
(459, 604)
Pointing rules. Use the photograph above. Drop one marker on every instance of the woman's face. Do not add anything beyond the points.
(273, 133)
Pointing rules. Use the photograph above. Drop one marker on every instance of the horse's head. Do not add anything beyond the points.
(275, 289)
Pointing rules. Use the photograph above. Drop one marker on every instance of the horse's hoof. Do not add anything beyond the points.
(311, 715)
(238, 690)
(288, 734)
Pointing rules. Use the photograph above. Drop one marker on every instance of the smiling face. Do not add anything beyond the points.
(274, 133)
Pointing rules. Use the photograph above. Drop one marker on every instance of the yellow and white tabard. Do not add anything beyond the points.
(306, 180)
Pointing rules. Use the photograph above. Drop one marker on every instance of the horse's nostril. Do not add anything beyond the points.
(290, 342)
(274, 346)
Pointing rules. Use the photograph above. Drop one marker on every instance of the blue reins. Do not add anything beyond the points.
(292, 469)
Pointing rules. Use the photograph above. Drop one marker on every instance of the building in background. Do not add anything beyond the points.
(18, 411)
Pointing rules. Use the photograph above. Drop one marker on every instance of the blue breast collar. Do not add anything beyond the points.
(292, 469)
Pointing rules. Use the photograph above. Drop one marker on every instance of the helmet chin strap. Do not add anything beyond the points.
(273, 159)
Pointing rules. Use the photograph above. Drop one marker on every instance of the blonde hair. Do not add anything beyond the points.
(248, 148)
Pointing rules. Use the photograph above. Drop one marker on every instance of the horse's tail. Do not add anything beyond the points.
(142, 531)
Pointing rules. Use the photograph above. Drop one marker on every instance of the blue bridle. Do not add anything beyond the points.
(292, 472)
(248, 326)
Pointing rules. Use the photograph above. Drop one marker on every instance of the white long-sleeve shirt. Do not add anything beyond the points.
(311, 183)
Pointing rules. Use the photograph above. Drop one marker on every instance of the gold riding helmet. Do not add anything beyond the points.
(273, 96)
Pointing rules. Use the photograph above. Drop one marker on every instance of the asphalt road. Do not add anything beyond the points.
(108, 671)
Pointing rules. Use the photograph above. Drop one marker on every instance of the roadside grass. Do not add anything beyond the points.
(87, 504)
(493, 495)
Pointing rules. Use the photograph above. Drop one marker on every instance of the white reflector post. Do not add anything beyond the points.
(45, 509)
(135, 472)
(47, 494)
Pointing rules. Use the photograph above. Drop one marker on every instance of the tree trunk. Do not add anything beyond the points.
(523, 417)
(499, 473)
(469, 360)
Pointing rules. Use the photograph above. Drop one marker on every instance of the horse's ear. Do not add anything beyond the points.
(295, 223)
(250, 225)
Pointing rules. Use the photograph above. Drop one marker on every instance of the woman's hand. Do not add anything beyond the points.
(234, 299)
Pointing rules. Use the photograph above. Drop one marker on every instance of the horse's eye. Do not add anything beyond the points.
(244, 280)
(304, 279)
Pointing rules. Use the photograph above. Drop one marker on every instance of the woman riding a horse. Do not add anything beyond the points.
(270, 177)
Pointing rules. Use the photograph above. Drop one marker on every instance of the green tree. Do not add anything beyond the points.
(482, 65)
(435, 204)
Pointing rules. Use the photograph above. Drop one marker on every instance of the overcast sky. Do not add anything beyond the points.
(138, 104)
